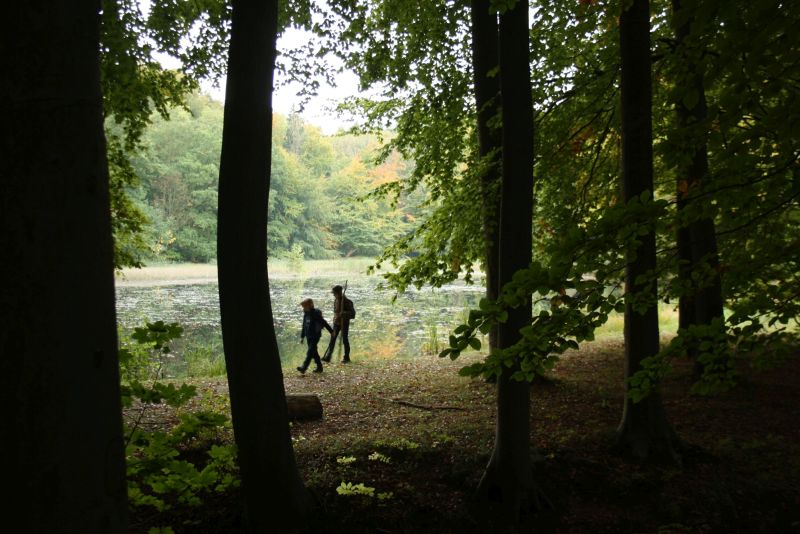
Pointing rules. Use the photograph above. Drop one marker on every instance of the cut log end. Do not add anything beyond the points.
(304, 407)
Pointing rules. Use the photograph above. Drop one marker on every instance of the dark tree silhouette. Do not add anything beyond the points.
(697, 241)
(62, 451)
(275, 499)
(487, 102)
(507, 485)
(644, 431)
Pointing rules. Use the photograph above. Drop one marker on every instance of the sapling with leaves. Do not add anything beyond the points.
(157, 476)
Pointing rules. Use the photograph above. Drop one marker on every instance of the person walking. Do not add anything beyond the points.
(313, 323)
(343, 313)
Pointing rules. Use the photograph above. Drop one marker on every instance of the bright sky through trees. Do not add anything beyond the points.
(319, 110)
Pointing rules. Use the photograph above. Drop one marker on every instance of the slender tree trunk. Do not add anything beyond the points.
(62, 453)
(487, 102)
(686, 315)
(644, 431)
(508, 481)
(697, 241)
(275, 499)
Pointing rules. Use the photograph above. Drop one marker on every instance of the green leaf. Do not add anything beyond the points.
(475, 369)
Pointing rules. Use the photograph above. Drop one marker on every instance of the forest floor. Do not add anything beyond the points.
(420, 436)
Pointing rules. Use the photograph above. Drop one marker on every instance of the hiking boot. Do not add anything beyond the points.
(318, 370)
(346, 359)
(302, 370)
(326, 358)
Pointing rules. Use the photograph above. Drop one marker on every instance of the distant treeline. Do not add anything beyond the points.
(319, 204)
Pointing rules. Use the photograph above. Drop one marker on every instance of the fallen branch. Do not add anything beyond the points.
(422, 406)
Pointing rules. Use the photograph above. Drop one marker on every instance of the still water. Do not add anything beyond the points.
(408, 327)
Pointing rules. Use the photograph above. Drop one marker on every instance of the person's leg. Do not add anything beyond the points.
(315, 355)
(346, 341)
(332, 345)
(309, 355)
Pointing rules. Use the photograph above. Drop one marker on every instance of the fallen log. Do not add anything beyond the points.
(423, 406)
(304, 407)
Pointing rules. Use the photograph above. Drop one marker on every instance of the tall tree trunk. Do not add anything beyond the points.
(508, 481)
(644, 431)
(697, 242)
(487, 101)
(62, 452)
(275, 499)
(686, 315)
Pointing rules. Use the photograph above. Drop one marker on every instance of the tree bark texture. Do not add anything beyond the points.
(62, 452)
(697, 242)
(275, 499)
(487, 101)
(508, 481)
(644, 431)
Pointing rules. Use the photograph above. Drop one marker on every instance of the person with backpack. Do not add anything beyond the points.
(343, 313)
(313, 323)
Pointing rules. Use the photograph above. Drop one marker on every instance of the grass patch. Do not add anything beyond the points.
(167, 274)
(204, 360)
(613, 328)
(341, 267)
(192, 273)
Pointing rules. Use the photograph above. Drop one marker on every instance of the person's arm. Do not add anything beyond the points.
(337, 310)
(325, 323)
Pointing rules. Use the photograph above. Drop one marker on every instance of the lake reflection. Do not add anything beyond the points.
(382, 329)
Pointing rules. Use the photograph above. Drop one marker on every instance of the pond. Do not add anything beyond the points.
(416, 323)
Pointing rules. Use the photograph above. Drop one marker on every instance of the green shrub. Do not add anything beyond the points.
(157, 474)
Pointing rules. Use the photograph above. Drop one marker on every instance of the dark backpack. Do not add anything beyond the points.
(352, 309)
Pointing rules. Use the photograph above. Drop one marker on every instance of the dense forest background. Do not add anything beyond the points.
(320, 202)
